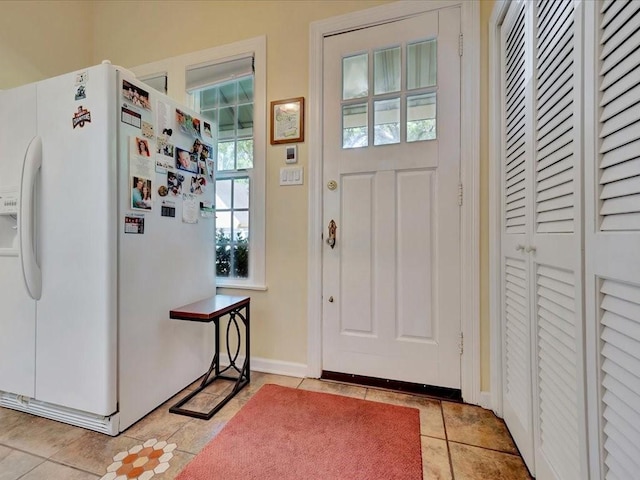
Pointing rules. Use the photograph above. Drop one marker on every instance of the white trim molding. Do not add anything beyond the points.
(267, 365)
(495, 207)
(470, 175)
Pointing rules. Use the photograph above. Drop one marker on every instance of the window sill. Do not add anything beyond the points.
(239, 285)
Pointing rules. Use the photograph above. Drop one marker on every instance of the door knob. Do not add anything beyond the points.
(331, 240)
(519, 247)
(530, 249)
(330, 299)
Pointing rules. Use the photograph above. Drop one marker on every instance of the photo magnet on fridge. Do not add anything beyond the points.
(81, 117)
(81, 92)
(136, 95)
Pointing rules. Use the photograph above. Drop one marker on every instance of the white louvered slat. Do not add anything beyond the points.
(554, 156)
(558, 369)
(620, 53)
(516, 329)
(619, 172)
(620, 155)
(621, 105)
(611, 8)
(515, 119)
(620, 373)
(621, 25)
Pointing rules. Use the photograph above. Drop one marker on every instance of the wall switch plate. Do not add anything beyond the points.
(291, 176)
(291, 155)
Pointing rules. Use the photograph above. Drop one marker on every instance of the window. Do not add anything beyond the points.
(228, 105)
(227, 85)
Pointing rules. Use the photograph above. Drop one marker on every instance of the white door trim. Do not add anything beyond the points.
(495, 278)
(470, 177)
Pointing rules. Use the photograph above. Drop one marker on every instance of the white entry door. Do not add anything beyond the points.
(391, 173)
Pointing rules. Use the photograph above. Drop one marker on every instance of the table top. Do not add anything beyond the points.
(209, 308)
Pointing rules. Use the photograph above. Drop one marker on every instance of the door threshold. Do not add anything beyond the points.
(440, 393)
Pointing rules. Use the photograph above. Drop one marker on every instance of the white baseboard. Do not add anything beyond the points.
(267, 365)
(484, 400)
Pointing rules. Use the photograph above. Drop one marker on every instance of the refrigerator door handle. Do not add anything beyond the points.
(26, 219)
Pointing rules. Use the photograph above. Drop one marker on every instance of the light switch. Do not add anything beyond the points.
(291, 176)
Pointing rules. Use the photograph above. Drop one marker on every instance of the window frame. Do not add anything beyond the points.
(175, 69)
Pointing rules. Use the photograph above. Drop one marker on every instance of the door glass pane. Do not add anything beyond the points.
(421, 117)
(386, 122)
(422, 64)
(386, 66)
(355, 76)
(355, 123)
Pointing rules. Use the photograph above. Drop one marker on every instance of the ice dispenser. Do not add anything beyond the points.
(9, 221)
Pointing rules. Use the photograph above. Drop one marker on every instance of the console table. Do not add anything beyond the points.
(211, 310)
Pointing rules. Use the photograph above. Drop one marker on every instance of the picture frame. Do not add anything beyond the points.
(287, 121)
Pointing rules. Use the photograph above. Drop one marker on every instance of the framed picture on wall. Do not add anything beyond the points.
(287, 121)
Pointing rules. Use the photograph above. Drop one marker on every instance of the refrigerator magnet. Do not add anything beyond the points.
(81, 92)
(168, 209)
(130, 117)
(134, 224)
(147, 129)
(81, 117)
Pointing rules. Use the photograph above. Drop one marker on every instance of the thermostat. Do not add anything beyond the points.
(292, 154)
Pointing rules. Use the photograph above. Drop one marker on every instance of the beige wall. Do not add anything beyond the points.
(45, 38)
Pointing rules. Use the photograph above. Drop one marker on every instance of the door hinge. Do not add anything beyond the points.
(461, 343)
(460, 194)
(460, 44)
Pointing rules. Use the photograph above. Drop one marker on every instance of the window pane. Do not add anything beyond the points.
(355, 122)
(226, 155)
(386, 66)
(421, 117)
(223, 243)
(245, 90)
(228, 94)
(245, 120)
(208, 98)
(223, 195)
(241, 193)
(240, 225)
(422, 64)
(226, 125)
(209, 115)
(386, 121)
(355, 76)
(245, 154)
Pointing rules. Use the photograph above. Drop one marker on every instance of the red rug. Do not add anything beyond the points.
(284, 433)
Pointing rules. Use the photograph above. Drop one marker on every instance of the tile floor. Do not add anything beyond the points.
(459, 442)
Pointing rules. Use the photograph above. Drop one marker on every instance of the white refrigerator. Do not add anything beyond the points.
(90, 267)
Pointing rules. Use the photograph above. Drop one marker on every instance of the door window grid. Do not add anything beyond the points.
(404, 103)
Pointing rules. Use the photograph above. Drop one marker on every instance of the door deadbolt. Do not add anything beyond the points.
(330, 299)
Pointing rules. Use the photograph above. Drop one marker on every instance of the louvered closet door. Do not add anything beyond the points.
(555, 245)
(613, 238)
(516, 168)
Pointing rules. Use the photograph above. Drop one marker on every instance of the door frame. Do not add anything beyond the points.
(469, 174)
(495, 200)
